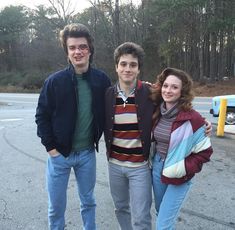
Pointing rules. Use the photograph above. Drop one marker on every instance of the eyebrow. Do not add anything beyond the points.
(174, 84)
(133, 62)
(80, 44)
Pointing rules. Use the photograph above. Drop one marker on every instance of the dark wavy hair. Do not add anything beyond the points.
(76, 30)
(129, 48)
(187, 95)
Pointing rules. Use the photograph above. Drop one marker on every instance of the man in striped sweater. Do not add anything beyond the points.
(128, 112)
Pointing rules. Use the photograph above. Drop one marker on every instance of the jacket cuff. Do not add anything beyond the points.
(49, 147)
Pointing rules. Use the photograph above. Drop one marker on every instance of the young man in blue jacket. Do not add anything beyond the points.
(70, 122)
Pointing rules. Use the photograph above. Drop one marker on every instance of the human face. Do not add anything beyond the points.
(171, 90)
(78, 53)
(127, 69)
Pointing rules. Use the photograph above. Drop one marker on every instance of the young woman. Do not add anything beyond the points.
(181, 146)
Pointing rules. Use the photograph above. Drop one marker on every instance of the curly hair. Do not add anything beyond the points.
(129, 48)
(187, 95)
(76, 30)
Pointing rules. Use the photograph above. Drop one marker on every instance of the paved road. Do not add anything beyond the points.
(23, 198)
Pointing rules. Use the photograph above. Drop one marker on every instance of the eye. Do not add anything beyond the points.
(72, 47)
(83, 47)
(123, 64)
(133, 65)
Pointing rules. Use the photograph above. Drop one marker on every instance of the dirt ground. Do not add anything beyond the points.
(219, 88)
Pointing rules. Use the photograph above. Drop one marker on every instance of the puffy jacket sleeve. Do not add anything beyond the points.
(202, 149)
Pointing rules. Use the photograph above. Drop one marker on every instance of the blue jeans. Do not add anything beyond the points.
(131, 191)
(168, 198)
(58, 171)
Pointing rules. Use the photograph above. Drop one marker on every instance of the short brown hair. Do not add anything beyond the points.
(129, 48)
(76, 30)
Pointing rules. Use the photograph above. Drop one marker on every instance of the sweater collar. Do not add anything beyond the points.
(170, 113)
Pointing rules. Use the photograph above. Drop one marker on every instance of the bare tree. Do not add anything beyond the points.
(63, 10)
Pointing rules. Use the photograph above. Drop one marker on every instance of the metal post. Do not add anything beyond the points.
(222, 116)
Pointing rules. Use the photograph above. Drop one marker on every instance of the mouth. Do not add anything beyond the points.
(127, 75)
(168, 96)
(78, 58)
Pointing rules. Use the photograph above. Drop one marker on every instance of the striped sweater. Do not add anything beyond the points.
(126, 148)
(144, 112)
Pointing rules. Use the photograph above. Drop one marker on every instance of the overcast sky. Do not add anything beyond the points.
(80, 4)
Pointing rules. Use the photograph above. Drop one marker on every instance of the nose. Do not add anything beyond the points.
(168, 89)
(78, 50)
(127, 68)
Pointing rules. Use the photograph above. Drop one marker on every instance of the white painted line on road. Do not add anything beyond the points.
(12, 119)
(10, 102)
(202, 111)
(201, 103)
(19, 95)
(204, 97)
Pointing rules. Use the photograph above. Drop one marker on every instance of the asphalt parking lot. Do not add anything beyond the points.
(23, 197)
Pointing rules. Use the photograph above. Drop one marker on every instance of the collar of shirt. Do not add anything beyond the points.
(122, 93)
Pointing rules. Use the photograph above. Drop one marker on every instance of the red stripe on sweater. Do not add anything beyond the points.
(130, 158)
(127, 109)
(126, 135)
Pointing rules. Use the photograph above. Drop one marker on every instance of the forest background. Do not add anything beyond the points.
(197, 36)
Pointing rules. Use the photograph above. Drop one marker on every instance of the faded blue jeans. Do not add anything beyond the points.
(131, 190)
(58, 171)
(168, 198)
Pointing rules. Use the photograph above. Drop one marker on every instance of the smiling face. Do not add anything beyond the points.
(78, 53)
(127, 69)
(171, 90)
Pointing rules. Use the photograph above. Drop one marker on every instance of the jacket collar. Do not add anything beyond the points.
(73, 73)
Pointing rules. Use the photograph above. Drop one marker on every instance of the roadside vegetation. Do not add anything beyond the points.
(196, 36)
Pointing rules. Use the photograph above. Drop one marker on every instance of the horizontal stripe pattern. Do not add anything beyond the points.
(126, 118)
(127, 157)
(123, 109)
(126, 148)
(162, 134)
(126, 135)
(127, 127)
(128, 143)
(130, 100)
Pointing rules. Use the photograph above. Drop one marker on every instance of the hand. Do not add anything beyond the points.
(148, 83)
(53, 153)
(157, 86)
(208, 130)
